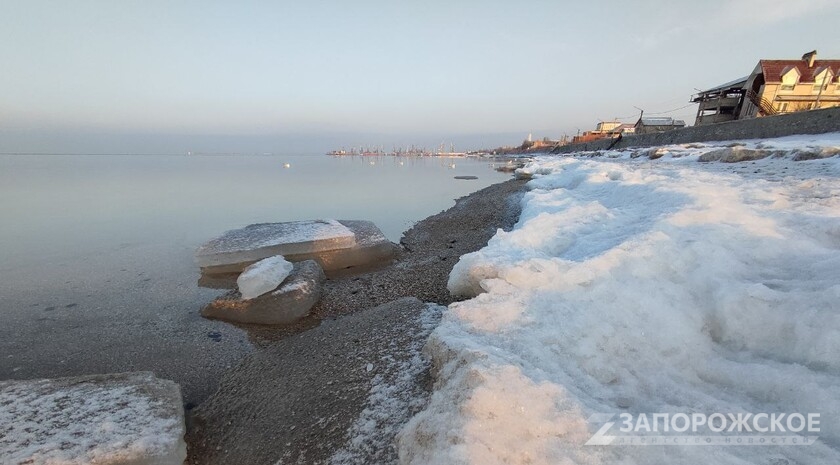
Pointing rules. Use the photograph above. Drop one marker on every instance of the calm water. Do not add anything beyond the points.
(96, 251)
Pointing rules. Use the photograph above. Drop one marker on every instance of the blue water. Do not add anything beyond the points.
(96, 252)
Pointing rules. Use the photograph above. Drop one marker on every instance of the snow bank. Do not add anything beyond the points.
(128, 418)
(263, 276)
(644, 286)
(797, 148)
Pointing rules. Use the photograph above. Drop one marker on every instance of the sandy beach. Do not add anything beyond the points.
(296, 398)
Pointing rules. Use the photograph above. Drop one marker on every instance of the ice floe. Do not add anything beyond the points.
(241, 247)
(335, 245)
(287, 302)
(127, 418)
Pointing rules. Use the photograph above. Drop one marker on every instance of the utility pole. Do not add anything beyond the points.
(819, 95)
(641, 112)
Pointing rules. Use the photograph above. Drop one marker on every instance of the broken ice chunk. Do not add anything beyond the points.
(290, 302)
(258, 241)
(263, 276)
(365, 248)
(116, 419)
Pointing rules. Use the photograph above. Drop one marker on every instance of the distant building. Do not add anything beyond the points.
(774, 87)
(647, 125)
(624, 129)
(545, 142)
(604, 130)
(589, 136)
(607, 126)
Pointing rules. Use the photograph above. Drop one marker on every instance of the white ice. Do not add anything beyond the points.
(644, 286)
(263, 276)
(128, 418)
(258, 241)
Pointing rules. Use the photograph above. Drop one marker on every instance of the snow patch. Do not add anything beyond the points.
(639, 286)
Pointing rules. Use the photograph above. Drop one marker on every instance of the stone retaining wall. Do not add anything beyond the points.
(806, 122)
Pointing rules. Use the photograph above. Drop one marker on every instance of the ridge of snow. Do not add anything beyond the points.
(639, 286)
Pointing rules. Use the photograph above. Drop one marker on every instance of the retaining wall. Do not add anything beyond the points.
(805, 122)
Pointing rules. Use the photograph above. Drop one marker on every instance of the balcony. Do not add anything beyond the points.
(730, 102)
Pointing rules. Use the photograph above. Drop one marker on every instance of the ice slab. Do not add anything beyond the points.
(370, 249)
(263, 276)
(734, 154)
(291, 301)
(114, 419)
(241, 247)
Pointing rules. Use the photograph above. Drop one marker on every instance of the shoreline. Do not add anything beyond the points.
(93, 295)
(297, 395)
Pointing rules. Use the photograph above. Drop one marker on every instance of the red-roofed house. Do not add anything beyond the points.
(785, 86)
(774, 87)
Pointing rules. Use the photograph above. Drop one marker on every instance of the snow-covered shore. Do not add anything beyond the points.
(632, 285)
(339, 392)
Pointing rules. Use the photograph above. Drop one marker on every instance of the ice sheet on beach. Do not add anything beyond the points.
(128, 418)
(638, 286)
(372, 249)
(366, 249)
(258, 241)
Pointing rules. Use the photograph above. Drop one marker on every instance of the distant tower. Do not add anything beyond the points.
(529, 137)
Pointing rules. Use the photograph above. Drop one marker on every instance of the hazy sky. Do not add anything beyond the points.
(80, 75)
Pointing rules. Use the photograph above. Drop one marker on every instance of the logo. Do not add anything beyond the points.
(700, 429)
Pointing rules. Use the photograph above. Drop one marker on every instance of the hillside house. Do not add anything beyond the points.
(785, 86)
(773, 87)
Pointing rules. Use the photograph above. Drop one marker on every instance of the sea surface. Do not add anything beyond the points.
(96, 251)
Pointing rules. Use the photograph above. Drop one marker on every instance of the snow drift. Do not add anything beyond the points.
(641, 286)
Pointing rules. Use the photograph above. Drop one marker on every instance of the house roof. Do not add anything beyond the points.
(662, 121)
(736, 84)
(774, 69)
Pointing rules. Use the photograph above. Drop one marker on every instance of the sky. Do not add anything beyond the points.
(168, 76)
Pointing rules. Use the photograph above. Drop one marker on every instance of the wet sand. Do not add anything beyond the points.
(294, 399)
